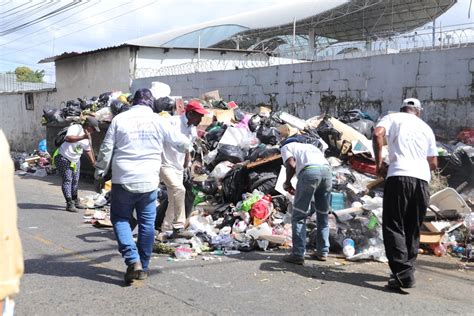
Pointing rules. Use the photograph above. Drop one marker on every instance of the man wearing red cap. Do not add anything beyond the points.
(173, 165)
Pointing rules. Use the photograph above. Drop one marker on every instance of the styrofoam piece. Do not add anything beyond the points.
(448, 199)
(281, 179)
(293, 120)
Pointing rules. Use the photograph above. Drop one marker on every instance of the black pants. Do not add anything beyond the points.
(404, 207)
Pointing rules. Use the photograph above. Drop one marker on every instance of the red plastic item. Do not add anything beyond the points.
(363, 166)
(260, 209)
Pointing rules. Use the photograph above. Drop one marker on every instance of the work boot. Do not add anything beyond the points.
(134, 272)
(294, 259)
(181, 233)
(70, 207)
(316, 256)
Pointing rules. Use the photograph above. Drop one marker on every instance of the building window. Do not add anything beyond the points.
(29, 101)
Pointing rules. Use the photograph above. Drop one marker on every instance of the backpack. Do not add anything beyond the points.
(59, 139)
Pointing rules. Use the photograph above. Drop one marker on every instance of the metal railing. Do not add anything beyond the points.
(8, 83)
(425, 39)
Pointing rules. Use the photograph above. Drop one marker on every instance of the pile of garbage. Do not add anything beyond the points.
(235, 200)
(36, 163)
(234, 191)
(103, 108)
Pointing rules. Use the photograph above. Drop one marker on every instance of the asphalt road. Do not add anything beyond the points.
(72, 268)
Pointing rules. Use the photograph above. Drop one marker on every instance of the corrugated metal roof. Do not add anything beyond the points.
(343, 20)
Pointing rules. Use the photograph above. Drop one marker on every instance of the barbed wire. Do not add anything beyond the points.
(448, 38)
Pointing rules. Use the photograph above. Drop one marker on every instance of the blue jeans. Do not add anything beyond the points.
(312, 193)
(122, 205)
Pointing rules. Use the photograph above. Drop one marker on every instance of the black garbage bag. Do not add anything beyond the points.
(118, 107)
(214, 133)
(254, 122)
(268, 135)
(165, 104)
(330, 135)
(231, 153)
(208, 187)
(219, 104)
(238, 115)
(280, 203)
(85, 104)
(264, 182)
(459, 169)
(73, 108)
(221, 211)
(73, 104)
(190, 196)
(261, 152)
(234, 184)
(363, 126)
(104, 97)
(162, 206)
(53, 115)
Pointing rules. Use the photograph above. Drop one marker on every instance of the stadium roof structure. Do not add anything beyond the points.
(340, 20)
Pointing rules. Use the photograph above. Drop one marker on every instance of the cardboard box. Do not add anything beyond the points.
(430, 237)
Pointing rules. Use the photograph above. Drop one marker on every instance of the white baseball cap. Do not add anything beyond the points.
(413, 103)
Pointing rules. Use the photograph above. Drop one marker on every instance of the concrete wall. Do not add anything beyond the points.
(443, 80)
(23, 127)
(93, 74)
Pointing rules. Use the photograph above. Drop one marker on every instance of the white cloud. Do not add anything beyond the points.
(106, 23)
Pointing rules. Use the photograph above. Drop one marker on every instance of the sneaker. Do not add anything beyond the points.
(78, 204)
(70, 207)
(181, 233)
(294, 259)
(134, 271)
(317, 256)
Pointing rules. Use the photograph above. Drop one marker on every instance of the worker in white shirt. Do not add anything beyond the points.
(412, 154)
(174, 164)
(312, 193)
(133, 147)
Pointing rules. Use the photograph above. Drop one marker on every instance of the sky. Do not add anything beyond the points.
(93, 24)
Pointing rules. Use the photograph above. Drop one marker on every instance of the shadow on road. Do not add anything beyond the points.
(97, 236)
(59, 266)
(325, 273)
(36, 206)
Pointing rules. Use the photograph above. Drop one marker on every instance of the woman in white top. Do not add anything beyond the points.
(68, 161)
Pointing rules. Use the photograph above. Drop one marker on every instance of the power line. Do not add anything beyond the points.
(53, 13)
(113, 18)
(26, 14)
(41, 31)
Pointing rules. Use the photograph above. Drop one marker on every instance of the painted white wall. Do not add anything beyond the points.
(23, 127)
(441, 79)
(92, 74)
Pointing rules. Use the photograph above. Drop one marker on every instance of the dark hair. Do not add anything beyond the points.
(143, 97)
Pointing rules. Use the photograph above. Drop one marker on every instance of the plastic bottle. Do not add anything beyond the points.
(348, 247)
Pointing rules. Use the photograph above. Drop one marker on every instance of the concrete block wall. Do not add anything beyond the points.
(442, 79)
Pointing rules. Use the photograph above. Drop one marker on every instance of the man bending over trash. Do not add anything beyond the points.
(312, 193)
(174, 164)
(132, 148)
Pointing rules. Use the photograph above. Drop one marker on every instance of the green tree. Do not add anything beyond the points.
(25, 74)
